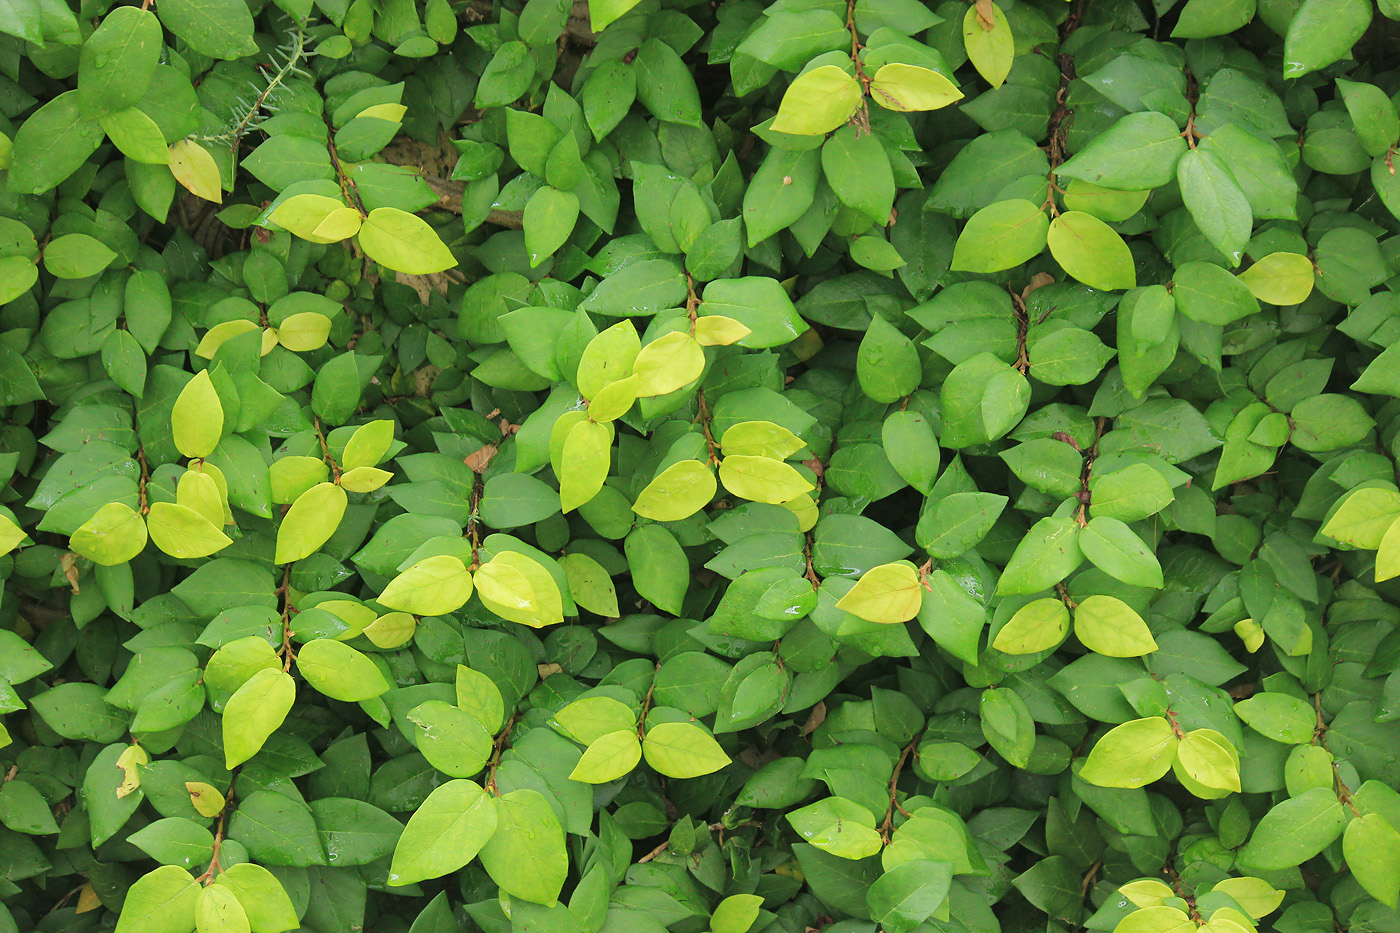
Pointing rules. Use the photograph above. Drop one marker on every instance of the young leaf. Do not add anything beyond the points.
(446, 832)
(818, 101)
(1131, 755)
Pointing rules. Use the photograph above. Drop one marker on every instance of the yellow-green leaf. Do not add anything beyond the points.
(479, 695)
(1280, 278)
(432, 587)
(888, 594)
(391, 630)
(207, 800)
(368, 445)
(1206, 757)
(682, 750)
(404, 242)
(303, 331)
(585, 461)
(1135, 753)
(197, 419)
(990, 46)
(114, 535)
(446, 831)
(761, 479)
(290, 477)
(182, 532)
(339, 671)
(517, 588)
(588, 719)
(218, 911)
(161, 901)
(897, 86)
(220, 334)
(716, 330)
(364, 479)
(303, 214)
(670, 362)
(681, 490)
(1108, 626)
(198, 491)
(195, 168)
(760, 439)
(589, 584)
(1388, 554)
(1039, 625)
(608, 758)
(613, 400)
(1091, 251)
(607, 358)
(254, 712)
(310, 522)
(818, 101)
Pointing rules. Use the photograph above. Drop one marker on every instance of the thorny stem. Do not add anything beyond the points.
(295, 53)
(894, 786)
(498, 745)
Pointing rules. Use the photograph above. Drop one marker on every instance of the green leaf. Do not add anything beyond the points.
(1207, 759)
(446, 831)
(1001, 236)
(1363, 516)
(1131, 755)
(1115, 549)
(403, 242)
(780, 193)
(1295, 830)
(217, 28)
(1281, 717)
(526, 855)
(1372, 115)
(888, 363)
(550, 216)
(161, 901)
(1321, 32)
(857, 169)
(451, 739)
(1049, 552)
(1372, 849)
(310, 522)
(818, 101)
(52, 144)
(905, 896)
(1090, 251)
(682, 750)
(118, 61)
(1138, 153)
(76, 256)
(254, 712)
(1215, 201)
(339, 671)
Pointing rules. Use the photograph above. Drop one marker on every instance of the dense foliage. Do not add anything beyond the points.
(655, 465)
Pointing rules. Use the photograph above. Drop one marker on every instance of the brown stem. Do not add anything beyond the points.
(894, 787)
(704, 418)
(861, 117)
(283, 592)
(326, 453)
(213, 869)
(1088, 471)
(498, 746)
(145, 478)
(646, 705)
(1018, 308)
